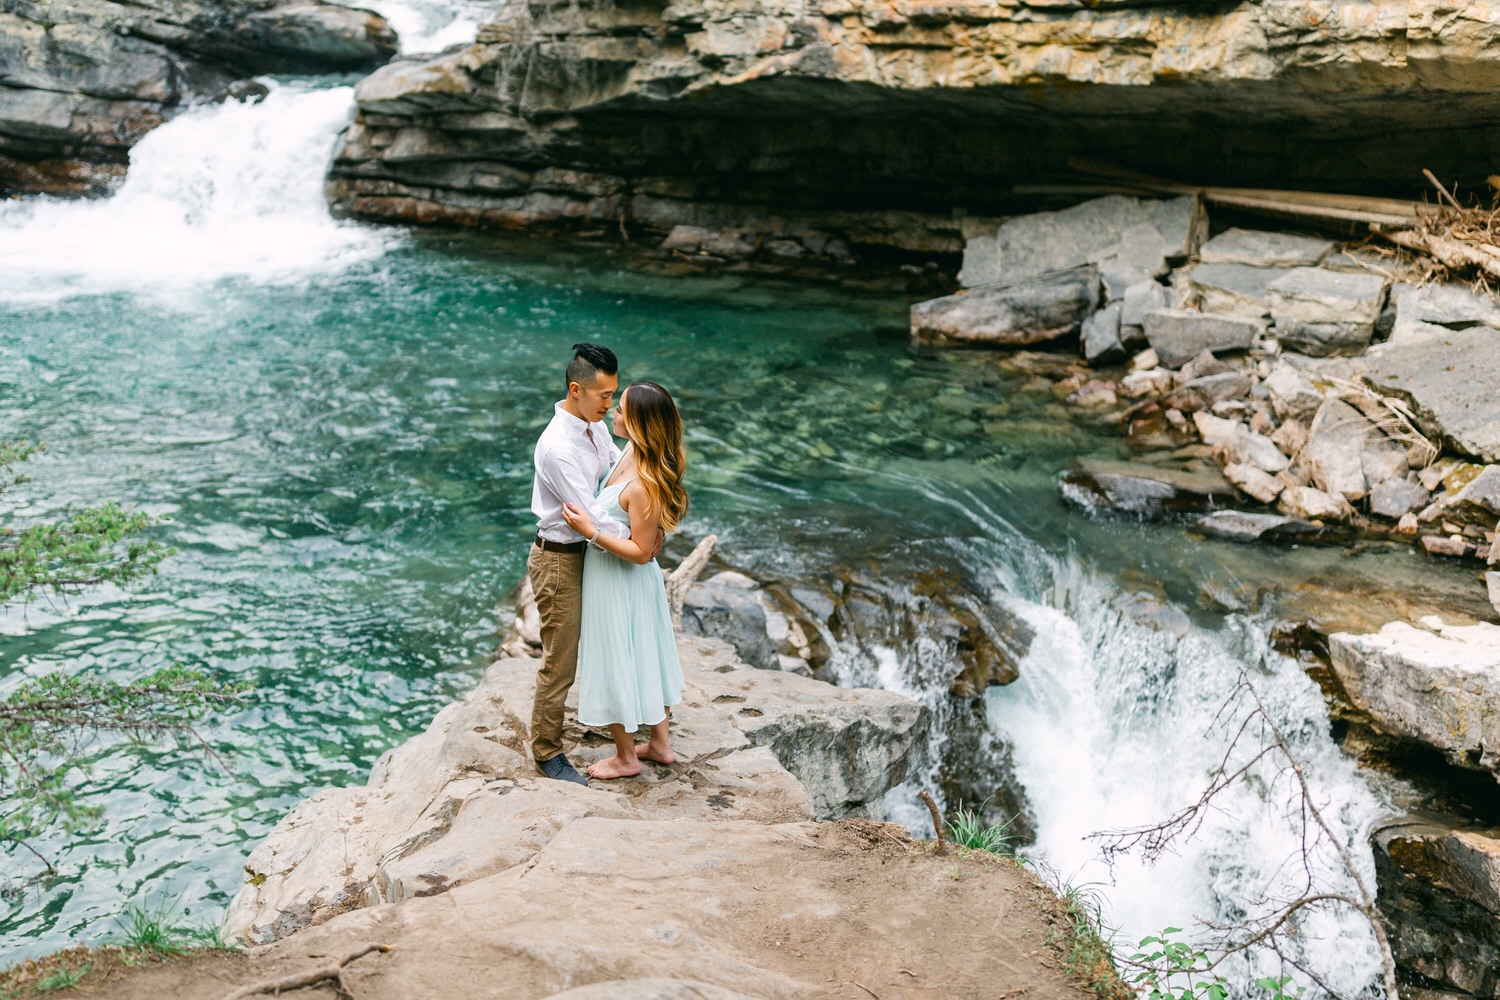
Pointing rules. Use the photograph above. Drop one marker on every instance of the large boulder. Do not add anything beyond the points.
(1438, 888)
(462, 800)
(1437, 685)
(81, 81)
(1451, 385)
(1030, 311)
(1120, 236)
(729, 606)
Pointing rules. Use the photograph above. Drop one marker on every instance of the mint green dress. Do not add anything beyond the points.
(628, 670)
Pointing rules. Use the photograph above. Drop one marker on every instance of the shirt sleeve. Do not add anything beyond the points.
(569, 481)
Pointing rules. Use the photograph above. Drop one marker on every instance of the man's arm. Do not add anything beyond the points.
(563, 474)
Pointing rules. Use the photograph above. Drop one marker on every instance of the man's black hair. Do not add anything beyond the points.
(588, 361)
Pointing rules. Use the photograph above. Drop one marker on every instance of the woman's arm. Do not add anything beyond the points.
(642, 526)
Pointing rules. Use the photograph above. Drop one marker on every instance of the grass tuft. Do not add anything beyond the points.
(966, 829)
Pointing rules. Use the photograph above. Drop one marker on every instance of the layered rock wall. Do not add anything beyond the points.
(786, 125)
(81, 81)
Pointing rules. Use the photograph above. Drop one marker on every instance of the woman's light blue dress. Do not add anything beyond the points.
(628, 670)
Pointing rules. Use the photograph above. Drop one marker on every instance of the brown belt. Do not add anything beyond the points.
(548, 545)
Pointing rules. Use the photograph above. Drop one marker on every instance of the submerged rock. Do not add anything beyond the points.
(1141, 490)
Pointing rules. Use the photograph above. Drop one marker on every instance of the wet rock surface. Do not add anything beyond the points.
(81, 81)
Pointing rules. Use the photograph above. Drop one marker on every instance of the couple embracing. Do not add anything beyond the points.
(602, 515)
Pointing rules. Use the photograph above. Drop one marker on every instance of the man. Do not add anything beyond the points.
(574, 452)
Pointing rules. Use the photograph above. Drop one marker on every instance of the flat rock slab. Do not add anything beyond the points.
(1452, 386)
(462, 800)
(1235, 289)
(1179, 335)
(618, 909)
(1438, 685)
(1122, 236)
(1259, 248)
(1031, 311)
(1140, 490)
(1435, 311)
(1251, 526)
(1324, 313)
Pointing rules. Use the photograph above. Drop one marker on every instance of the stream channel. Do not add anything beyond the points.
(337, 420)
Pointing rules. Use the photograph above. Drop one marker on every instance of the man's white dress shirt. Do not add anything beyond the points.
(572, 456)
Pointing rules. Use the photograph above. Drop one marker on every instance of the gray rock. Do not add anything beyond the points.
(1141, 298)
(1139, 490)
(1203, 364)
(1479, 499)
(1183, 224)
(1202, 393)
(1451, 385)
(1027, 312)
(1248, 447)
(84, 80)
(1247, 526)
(1258, 248)
(1118, 234)
(1432, 312)
(1292, 392)
(1438, 685)
(725, 609)
(1179, 335)
(1492, 589)
(1396, 497)
(1324, 313)
(1233, 289)
(1438, 888)
(1100, 335)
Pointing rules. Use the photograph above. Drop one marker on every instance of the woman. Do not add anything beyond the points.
(629, 675)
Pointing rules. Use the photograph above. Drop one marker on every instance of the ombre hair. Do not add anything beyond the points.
(655, 429)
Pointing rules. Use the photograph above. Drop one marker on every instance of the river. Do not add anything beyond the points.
(337, 422)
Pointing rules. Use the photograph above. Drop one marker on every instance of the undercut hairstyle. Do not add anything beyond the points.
(588, 361)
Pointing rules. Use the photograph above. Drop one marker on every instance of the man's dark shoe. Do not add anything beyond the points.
(559, 768)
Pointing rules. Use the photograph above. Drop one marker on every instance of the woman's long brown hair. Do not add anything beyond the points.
(656, 431)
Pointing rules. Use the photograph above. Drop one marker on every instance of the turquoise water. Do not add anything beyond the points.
(345, 464)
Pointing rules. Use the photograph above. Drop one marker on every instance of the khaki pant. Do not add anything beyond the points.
(557, 581)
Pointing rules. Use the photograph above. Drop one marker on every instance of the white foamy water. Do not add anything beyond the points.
(431, 27)
(1113, 726)
(233, 191)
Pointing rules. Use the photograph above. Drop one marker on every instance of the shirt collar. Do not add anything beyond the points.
(579, 425)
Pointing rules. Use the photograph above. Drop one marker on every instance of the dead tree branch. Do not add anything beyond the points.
(333, 970)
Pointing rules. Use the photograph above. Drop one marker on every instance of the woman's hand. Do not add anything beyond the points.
(578, 520)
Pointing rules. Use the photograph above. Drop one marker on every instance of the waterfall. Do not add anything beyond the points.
(232, 191)
(1115, 723)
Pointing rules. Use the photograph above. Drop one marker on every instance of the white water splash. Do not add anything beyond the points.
(424, 26)
(1113, 726)
(228, 191)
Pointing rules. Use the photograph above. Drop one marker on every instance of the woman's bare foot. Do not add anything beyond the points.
(660, 754)
(613, 767)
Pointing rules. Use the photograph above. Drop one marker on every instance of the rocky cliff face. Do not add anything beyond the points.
(774, 128)
(81, 81)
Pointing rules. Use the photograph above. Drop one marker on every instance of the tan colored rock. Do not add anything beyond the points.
(1254, 481)
(462, 800)
(1438, 685)
(1307, 502)
(1290, 437)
